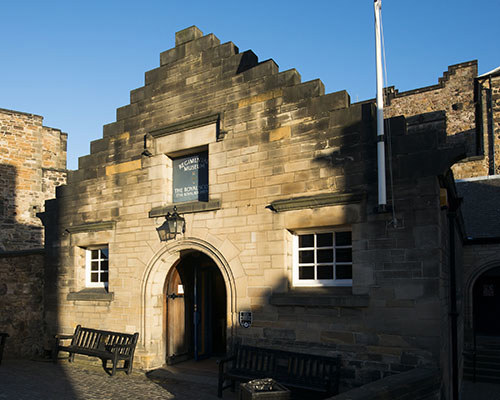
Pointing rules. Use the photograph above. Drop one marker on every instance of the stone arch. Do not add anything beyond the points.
(151, 333)
(469, 290)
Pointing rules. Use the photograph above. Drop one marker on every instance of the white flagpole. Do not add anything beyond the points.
(382, 198)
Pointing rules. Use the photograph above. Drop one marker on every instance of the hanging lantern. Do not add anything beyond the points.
(174, 225)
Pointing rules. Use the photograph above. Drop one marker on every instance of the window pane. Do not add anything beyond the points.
(105, 253)
(94, 266)
(324, 240)
(95, 254)
(325, 256)
(306, 273)
(325, 271)
(306, 256)
(343, 255)
(94, 277)
(104, 277)
(306, 241)
(343, 238)
(104, 265)
(344, 271)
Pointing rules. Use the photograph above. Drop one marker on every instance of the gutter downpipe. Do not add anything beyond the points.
(382, 197)
(453, 305)
(491, 126)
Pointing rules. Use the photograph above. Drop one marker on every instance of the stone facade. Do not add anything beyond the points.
(32, 163)
(283, 158)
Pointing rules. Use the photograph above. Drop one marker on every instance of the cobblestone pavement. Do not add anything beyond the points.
(42, 380)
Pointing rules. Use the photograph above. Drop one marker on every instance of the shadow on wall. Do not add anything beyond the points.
(21, 274)
(15, 236)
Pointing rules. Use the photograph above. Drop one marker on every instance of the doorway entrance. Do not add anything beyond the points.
(195, 309)
(486, 301)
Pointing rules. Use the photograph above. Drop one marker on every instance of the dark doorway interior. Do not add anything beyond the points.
(196, 309)
(487, 303)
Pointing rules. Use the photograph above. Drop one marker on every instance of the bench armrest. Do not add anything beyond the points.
(63, 337)
(224, 360)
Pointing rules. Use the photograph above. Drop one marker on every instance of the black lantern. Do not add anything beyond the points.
(174, 225)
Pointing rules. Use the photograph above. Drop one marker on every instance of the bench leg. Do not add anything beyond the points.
(128, 366)
(115, 362)
(220, 386)
(71, 357)
(233, 385)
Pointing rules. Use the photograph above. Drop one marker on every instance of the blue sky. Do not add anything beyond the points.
(75, 62)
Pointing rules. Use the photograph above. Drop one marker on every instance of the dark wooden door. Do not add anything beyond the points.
(177, 342)
(203, 313)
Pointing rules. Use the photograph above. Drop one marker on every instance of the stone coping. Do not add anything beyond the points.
(185, 125)
(186, 208)
(91, 294)
(319, 200)
(92, 227)
(329, 298)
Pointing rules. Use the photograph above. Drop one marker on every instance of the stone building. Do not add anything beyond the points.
(32, 164)
(276, 181)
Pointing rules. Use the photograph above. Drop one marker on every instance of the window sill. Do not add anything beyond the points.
(319, 297)
(91, 294)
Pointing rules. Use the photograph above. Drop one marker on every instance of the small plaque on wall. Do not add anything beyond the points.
(245, 319)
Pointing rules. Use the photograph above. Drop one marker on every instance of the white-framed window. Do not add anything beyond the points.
(322, 258)
(97, 266)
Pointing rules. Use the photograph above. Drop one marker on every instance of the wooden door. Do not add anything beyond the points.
(178, 346)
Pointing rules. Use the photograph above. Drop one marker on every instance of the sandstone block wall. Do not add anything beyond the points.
(454, 94)
(32, 164)
(22, 305)
(283, 156)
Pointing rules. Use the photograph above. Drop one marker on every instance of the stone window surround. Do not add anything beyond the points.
(86, 236)
(322, 210)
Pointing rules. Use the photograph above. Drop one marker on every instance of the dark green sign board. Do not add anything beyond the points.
(191, 178)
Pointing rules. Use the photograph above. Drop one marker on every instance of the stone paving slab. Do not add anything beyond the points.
(42, 380)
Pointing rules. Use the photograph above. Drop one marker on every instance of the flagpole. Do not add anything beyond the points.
(382, 197)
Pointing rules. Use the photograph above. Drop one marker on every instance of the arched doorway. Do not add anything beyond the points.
(195, 309)
(486, 303)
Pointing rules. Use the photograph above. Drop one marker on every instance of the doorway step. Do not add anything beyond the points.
(487, 360)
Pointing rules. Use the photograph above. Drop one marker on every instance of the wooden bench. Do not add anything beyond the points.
(295, 370)
(3, 339)
(106, 345)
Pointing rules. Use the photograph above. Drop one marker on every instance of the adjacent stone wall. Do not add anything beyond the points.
(22, 305)
(32, 163)
(454, 94)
